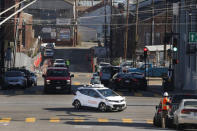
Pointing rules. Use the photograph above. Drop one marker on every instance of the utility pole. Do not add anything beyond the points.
(2, 59)
(111, 35)
(166, 21)
(136, 30)
(153, 24)
(105, 26)
(75, 24)
(126, 32)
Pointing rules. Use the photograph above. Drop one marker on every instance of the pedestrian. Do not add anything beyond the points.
(67, 63)
(165, 102)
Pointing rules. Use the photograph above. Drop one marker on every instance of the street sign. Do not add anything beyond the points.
(192, 37)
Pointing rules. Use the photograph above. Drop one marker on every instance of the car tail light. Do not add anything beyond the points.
(185, 111)
(119, 79)
(135, 80)
(101, 74)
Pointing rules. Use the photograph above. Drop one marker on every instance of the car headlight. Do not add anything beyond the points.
(68, 81)
(48, 81)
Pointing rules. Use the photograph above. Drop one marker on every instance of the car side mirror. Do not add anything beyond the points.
(72, 75)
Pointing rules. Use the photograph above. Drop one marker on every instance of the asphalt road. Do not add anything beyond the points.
(32, 110)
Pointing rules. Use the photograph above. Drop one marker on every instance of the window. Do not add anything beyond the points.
(93, 93)
(84, 91)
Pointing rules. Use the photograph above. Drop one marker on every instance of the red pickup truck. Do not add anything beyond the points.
(57, 78)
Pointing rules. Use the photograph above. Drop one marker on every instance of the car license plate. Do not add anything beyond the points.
(58, 88)
(127, 81)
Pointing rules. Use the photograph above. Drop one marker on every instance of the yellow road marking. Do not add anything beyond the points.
(126, 120)
(76, 83)
(138, 94)
(6, 120)
(54, 120)
(149, 121)
(19, 92)
(30, 120)
(103, 120)
(79, 119)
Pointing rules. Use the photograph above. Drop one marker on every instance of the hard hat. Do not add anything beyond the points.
(165, 94)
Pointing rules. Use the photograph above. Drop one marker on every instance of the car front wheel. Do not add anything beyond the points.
(102, 107)
(77, 104)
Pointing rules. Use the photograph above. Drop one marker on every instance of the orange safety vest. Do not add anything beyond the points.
(164, 102)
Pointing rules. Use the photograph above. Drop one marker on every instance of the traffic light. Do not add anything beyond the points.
(175, 61)
(167, 38)
(175, 49)
(145, 52)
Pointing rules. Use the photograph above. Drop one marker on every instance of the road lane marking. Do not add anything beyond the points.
(126, 120)
(76, 83)
(54, 120)
(5, 120)
(78, 119)
(19, 92)
(30, 120)
(149, 121)
(138, 94)
(103, 120)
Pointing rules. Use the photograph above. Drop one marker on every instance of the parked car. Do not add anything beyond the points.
(103, 64)
(57, 78)
(186, 114)
(175, 101)
(100, 97)
(27, 74)
(126, 65)
(50, 45)
(48, 53)
(95, 80)
(124, 81)
(59, 63)
(105, 74)
(33, 78)
(14, 79)
(141, 79)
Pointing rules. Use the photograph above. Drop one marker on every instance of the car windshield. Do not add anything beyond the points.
(48, 51)
(107, 92)
(106, 70)
(57, 72)
(190, 103)
(13, 74)
(104, 64)
(59, 61)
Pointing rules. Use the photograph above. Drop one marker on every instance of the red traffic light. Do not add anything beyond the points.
(145, 49)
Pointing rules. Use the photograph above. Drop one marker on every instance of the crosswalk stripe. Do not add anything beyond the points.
(54, 120)
(138, 94)
(103, 120)
(126, 120)
(149, 121)
(5, 120)
(79, 119)
(76, 83)
(30, 120)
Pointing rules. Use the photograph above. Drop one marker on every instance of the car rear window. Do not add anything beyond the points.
(190, 104)
(59, 61)
(106, 70)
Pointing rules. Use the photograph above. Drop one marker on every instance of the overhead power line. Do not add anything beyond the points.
(9, 17)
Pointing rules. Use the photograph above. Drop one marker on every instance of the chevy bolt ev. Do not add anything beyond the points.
(57, 79)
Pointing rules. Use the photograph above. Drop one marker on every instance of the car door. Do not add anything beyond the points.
(93, 98)
(83, 97)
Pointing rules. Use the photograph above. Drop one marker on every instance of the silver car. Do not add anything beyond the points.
(186, 114)
(33, 78)
(14, 79)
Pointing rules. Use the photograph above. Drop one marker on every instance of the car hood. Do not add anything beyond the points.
(58, 78)
(115, 98)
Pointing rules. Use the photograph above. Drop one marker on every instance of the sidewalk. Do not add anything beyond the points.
(155, 85)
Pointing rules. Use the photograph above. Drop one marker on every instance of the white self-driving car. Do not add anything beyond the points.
(98, 96)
